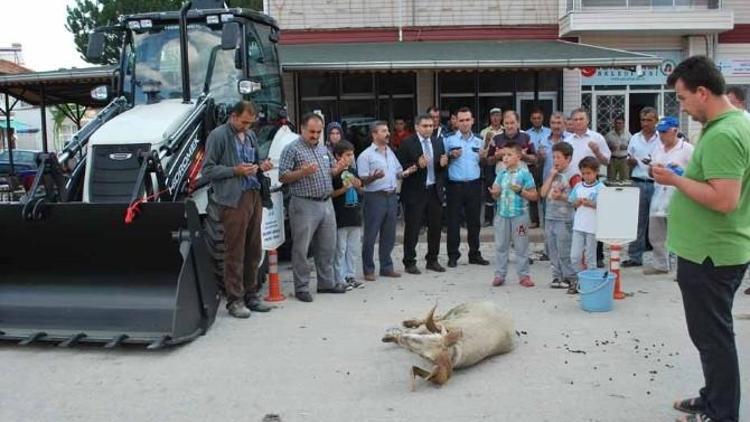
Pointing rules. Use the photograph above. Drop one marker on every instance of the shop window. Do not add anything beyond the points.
(549, 81)
(318, 85)
(390, 109)
(396, 83)
(355, 83)
(458, 82)
(496, 82)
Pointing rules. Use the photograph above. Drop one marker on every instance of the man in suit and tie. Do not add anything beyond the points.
(423, 193)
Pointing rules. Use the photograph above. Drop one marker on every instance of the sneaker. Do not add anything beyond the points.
(543, 257)
(526, 281)
(573, 287)
(498, 281)
(238, 309)
(556, 283)
(351, 281)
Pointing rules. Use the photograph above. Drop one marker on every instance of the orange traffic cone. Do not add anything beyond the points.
(614, 267)
(274, 285)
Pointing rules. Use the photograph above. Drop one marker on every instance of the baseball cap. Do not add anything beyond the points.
(667, 123)
(495, 110)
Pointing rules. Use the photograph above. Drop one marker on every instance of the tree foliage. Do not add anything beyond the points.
(86, 15)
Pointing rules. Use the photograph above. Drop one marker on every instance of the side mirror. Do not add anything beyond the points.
(246, 86)
(95, 48)
(230, 35)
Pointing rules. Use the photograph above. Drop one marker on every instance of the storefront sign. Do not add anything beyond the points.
(648, 75)
(735, 67)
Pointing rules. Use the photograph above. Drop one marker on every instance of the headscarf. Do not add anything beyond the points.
(334, 125)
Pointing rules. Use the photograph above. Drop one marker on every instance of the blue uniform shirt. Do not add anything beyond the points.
(538, 136)
(466, 167)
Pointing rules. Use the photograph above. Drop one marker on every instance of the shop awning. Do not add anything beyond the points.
(59, 86)
(20, 127)
(522, 54)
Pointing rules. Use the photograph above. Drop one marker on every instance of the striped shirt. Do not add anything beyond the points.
(510, 203)
(318, 185)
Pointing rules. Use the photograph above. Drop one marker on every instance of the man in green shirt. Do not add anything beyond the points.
(708, 230)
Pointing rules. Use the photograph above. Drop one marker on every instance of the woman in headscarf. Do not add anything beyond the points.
(334, 134)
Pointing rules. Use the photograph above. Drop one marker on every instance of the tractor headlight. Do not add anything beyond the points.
(100, 93)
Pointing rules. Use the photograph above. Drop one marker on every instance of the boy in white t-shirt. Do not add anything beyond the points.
(583, 197)
(673, 153)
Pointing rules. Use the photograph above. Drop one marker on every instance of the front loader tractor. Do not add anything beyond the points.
(124, 246)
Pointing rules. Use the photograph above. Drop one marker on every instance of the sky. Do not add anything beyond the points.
(39, 25)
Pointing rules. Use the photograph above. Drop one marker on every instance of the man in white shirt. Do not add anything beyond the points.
(640, 150)
(673, 153)
(586, 142)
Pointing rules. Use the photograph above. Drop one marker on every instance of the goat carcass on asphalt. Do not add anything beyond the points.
(462, 337)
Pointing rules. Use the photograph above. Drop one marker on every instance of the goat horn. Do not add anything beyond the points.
(429, 322)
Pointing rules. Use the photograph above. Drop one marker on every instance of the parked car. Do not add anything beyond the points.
(23, 161)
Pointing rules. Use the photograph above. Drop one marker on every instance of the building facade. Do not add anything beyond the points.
(357, 61)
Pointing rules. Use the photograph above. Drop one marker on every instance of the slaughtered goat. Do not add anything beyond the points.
(462, 337)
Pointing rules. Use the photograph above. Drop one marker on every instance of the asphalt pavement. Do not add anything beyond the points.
(324, 361)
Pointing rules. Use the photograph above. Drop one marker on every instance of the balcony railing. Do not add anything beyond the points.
(597, 5)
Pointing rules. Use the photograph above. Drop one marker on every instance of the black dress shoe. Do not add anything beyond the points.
(339, 288)
(479, 261)
(452, 262)
(303, 296)
(412, 269)
(434, 266)
(631, 263)
(256, 305)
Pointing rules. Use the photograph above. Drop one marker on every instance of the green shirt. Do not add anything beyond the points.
(695, 232)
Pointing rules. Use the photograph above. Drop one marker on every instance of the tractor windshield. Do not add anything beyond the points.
(154, 65)
(153, 72)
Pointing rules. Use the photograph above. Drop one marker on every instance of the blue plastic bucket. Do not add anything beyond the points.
(596, 288)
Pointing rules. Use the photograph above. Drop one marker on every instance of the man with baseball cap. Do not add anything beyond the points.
(673, 153)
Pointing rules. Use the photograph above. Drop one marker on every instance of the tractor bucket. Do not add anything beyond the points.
(76, 273)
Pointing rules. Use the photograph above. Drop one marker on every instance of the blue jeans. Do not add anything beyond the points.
(348, 249)
(583, 246)
(637, 247)
(558, 236)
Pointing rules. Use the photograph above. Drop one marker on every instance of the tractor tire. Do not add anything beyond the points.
(215, 243)
(215, 240)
